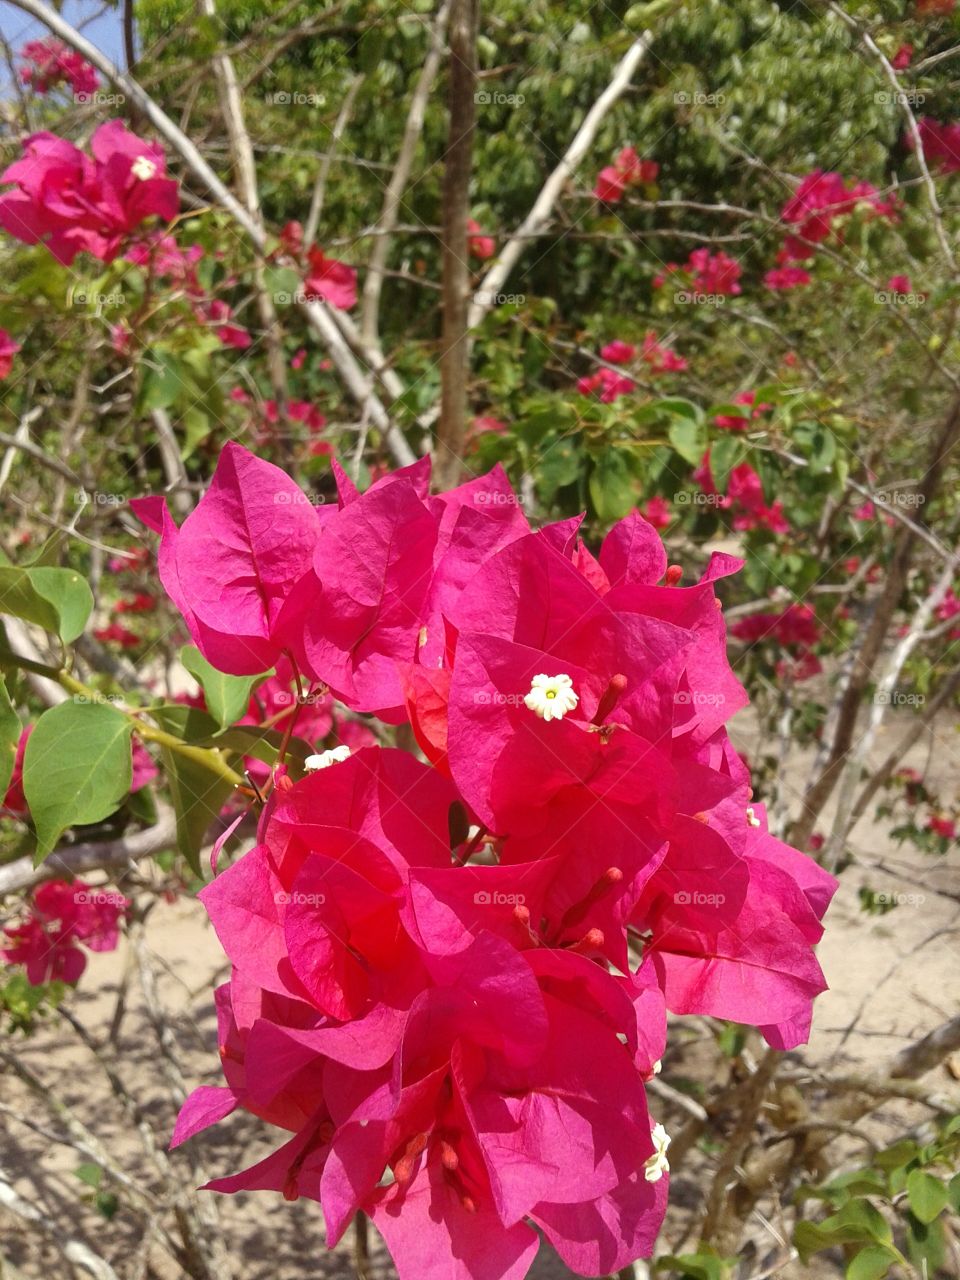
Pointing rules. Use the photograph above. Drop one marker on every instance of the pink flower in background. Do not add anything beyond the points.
(618, 352)
(715, 273)
(143, 767)
(634, 169)
(297, 361)
(902, 58)
(942, 826)
(485, 425)
(658, 512)
(115, 633)
(15, 802)
(142, 602)
(607, 384)
(8, 349)
(332, 281)
(781, 278)
(795, 629)
(163, 258)
(610, 185)
(899, 284)
(744, 497)
(736, 422)
(627, 170)
(480, 245)
(660, 359)
(60, 917)
(55, 64)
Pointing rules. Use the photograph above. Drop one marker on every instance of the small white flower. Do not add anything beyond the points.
(657, 1165)
(143, 168)
(657, 1067)
(336, 755)
(551, 697)
(752, 819)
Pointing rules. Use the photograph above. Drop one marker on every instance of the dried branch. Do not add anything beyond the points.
(105, 855)
(393, 196)
(455, 349)
(320, 186)
(79, 1255)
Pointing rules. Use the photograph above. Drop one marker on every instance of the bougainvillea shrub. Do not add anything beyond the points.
(451, 974)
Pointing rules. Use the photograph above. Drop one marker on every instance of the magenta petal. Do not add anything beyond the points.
(632, 552)
(205, 1106)
(431, 1236)
(602, 1236)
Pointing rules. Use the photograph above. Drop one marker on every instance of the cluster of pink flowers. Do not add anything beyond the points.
(744, 498)
(59, 918)
(705, 273)
(794, 629)
(299, 411)
(8, 349)
(813, 210)
(941, 144)
(450, 979)
(480, 245)
(739, 422)
(627, 170)
(78, 203)
(610, 385)
(327, 279)
(164, 259)
(54, 64)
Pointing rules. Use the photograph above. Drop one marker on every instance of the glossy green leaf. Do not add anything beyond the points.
(59, 600)
(198, 795)
(871, 1263)
(76, 768)
(9, 737)
(227, 697)
(926, 1194)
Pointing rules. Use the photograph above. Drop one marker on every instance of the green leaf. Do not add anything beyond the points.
(76, 768)
(58, 600)
(190, 724)
(9, 737)
(699, 1266)
(925, 1245)
(198, 795)
(953, 1192)
(725, 453)
(927, 1195)
(871, 1263)
(896, 1155)
(611, 487)
(227, 697)
(90, 1174)
(689, 439)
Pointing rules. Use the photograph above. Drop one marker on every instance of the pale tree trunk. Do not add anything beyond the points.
(455, 350)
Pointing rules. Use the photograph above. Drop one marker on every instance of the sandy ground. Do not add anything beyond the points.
(892, 978)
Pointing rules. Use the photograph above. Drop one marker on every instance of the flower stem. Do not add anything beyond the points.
(207, 758)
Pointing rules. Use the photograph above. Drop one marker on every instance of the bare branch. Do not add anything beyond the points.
(392, 197)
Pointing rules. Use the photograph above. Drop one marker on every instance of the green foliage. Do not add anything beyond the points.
(888, 1211)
